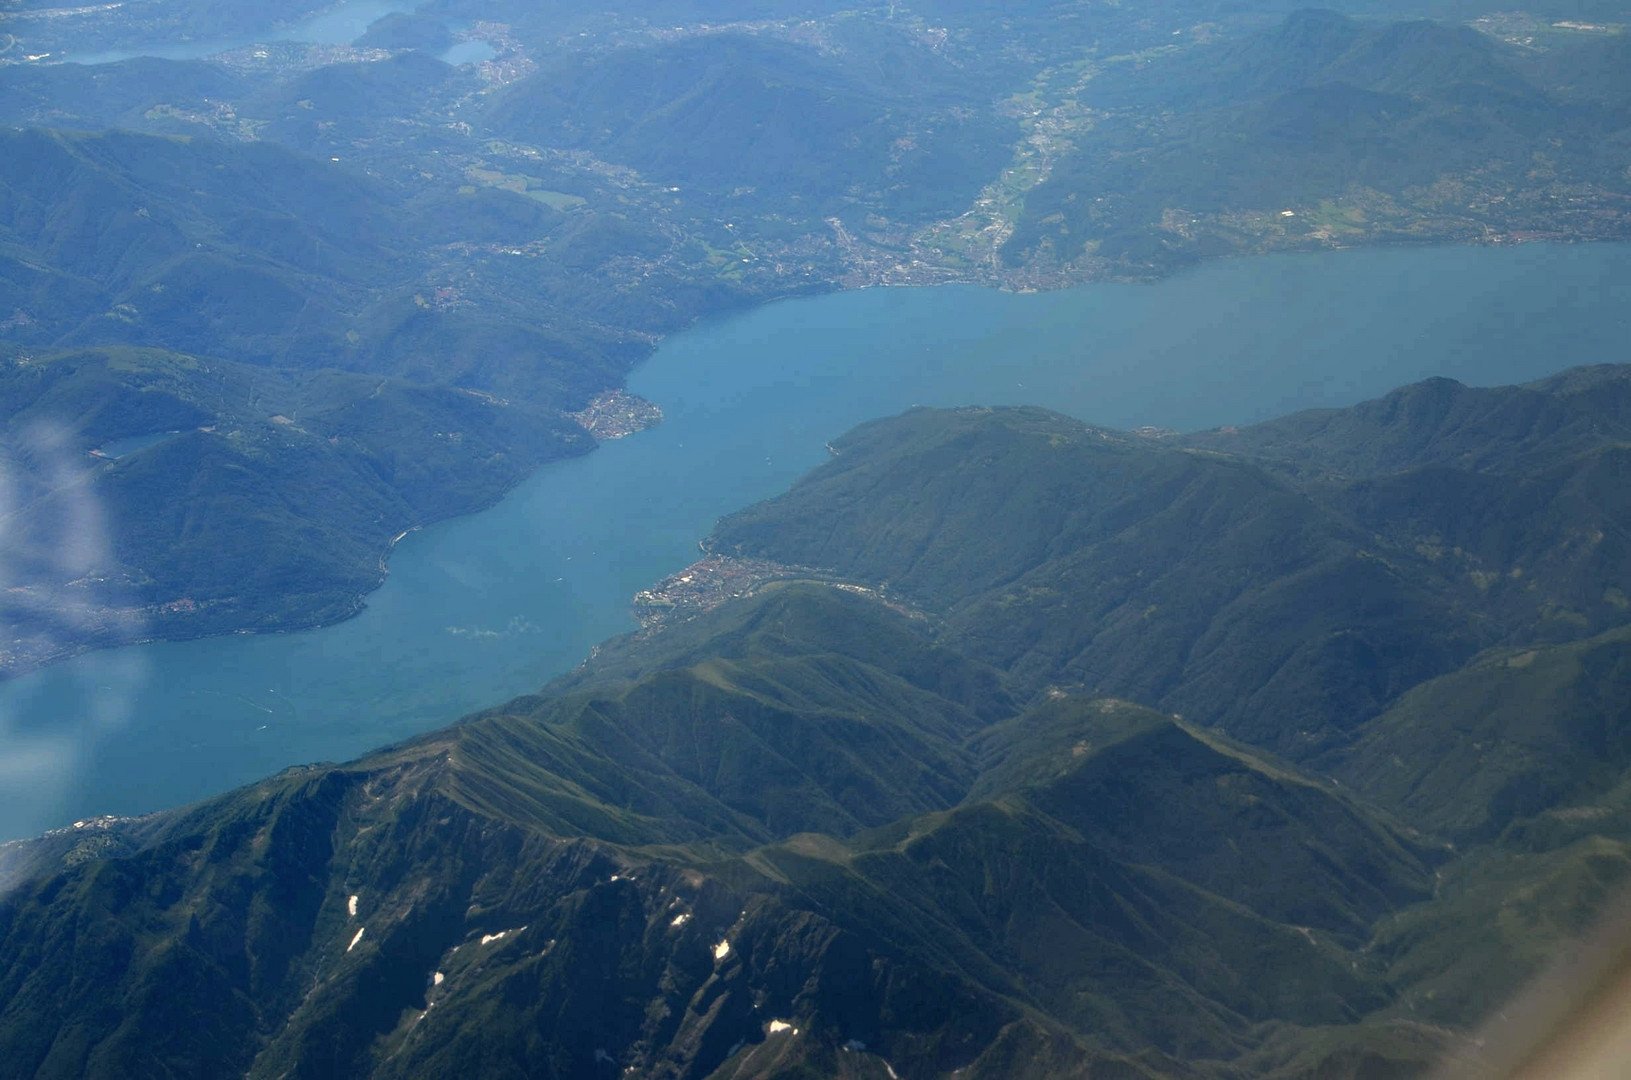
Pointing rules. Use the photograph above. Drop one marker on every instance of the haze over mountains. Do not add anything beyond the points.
(1009, 745)
(1328, 129)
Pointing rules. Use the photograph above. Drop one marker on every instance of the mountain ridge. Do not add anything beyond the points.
(803, 830)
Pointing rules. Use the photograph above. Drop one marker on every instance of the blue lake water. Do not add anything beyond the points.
(486, 607)
(338, 25)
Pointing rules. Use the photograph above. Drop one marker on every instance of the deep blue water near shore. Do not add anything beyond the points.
(493, 605)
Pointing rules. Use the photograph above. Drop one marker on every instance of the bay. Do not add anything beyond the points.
(493, 605)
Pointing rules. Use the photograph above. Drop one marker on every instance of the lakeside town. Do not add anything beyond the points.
(614, 414)
(715, 578)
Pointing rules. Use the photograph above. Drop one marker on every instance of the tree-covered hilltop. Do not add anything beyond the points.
(740, 121)
(160, 494)
(1285, 581)
(327, 341)
(256, 253)
(1329, 131)
(842, 826)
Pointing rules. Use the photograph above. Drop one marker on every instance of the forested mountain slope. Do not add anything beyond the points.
(340, 358)
(777, 124)
(1253, 586)
(158, 494)
(835, 828)
(255, 253)
(1329, 130)
(617, 837)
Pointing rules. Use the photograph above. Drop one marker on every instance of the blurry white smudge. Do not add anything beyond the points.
(517, 625)
(25, 758)
(60, 589)
(59, 581)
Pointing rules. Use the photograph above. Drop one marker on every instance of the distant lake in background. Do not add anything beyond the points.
(486, 607)
(338, 25)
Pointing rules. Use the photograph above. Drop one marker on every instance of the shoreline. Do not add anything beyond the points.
(735, 360)
(621, 396)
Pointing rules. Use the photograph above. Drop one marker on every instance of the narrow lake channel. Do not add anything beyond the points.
(486, 607)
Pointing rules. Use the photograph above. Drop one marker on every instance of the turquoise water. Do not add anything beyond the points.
(493, 605)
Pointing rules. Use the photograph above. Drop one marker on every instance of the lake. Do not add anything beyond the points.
(338, 25)
(486, 607)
